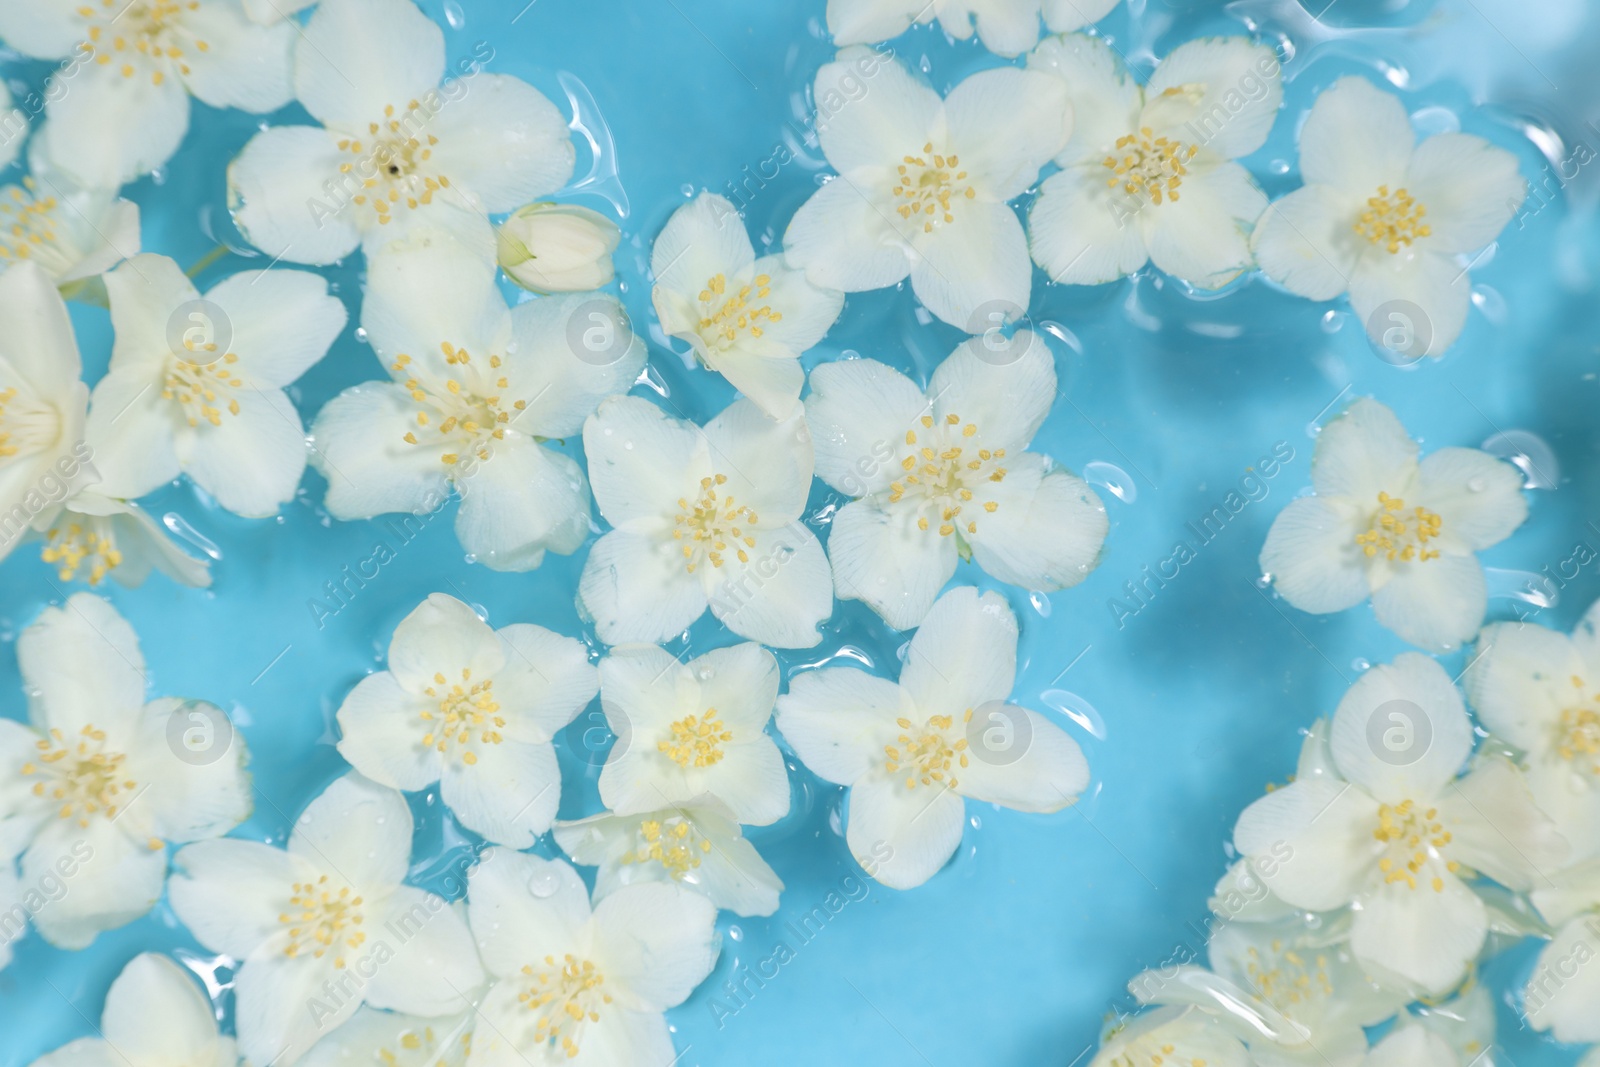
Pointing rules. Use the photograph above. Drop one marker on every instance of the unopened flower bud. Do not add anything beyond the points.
(557, 248)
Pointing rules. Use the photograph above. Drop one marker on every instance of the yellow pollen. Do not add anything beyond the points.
(1412, 837)
(1393, 220)
(942, 472)
(564, 993)
(78, 776)
(927, 755)
(927, 187)
(725, 316)
(1399, 536)
(86, 544)
(466, 715)
(712, 524)
(203, 391)
(671, 842)
(696, 741)
(322, 920)
(1144, 165)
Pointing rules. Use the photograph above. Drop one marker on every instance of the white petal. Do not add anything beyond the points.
(1356, 138)
(414, 1041)
(844, 239)
(245, 65)
(768, 464)
(1470, 188)
(189, 797)
(741, 682)
(1478, 496)
(358, 830)
(84, 1052)
(1306, 242)
(1048, 530)
(1006, 392)
(275, 189)
(858, 411)
(636, 589)
(781, 595)
(765, 371)
(47, 30)
(866, 21)
(573, 351)
(1019, 759)
(144, 292)
(1064, 16)
(118, 879)
(547, 679)
(1562, 991)
(509, 796)
(1496, 829)
(1311, 841)
(1362, 452)
(980, 258)
(963, 656)
(1082, 232)
(1423, 936)
(81, 665)
(702, 239)
(109, 129)
(230, 893)
(835, 720)
(514, 925)
(1006, 27)
(640, 459)
(281, 321)
(504, 141)
(521, 501)
(1203, 236)
(1412, 1046)
(1428, 282)
(426, 288)
(1005, 124)
(252, 462)
(902, 836)
(1519, 680)
(881, 557)
(38, 342)
(356, 57)
(442, 635)
(1401, 731)
(1219, 92)
(381, 729)
(875, 123)
(1437, 605)
(156, 1013)
(433, 969)
(281, 1008)
(658, 940)
(360, 448)
(1104, 97)
(1312, 556)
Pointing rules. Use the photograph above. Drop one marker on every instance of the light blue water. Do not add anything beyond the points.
(1014, 954)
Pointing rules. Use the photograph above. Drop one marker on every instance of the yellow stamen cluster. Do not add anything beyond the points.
(1578, 732)
(1393, 220)
(725, 316)
(1287, 977)
(425, 1043)
(565, 993)
(138, 35)
(1398, 536)
(80, 776)
(1148, 1054)
(199, 388)
(399, 160)
(465, 708)
(87, 544)
(461, 411)
(1411, 838)
(928, 755)
(709, 525)
(939, 470)
(322, 920)
(1149, 166)
(696, 740)
(27, 424)
(673, 843)
(28, 227)
(926, 185)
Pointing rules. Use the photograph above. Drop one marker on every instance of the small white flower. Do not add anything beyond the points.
(943, 476)
(924, 184)
(1149, 173)
(1394, 833)
(197, 387)
(393, 140)
(1384, 526)
(910, 752)
(395, 1040)
(95, 785)
(325, 925)
(702, 517)
(1006, 27)
(474, 709)
(155, 1016)
(748, 319)
(1176, 1036)
(123, 107)
(579, 986)
(696, 844)
(95, 536)
(557, 248)
(1386, 218)
(477, 388)
(74, 234)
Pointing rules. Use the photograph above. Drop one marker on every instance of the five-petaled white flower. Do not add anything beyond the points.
(155, 1016)
(944, 475)
(121, 107)
(702, 517)
(325, 925)
(477, 388)
(1149, 173)
(923, 184)
(688, 729)
(1006, 27)
(910, 752)
(394, 1039)
(581, 986)
(748, 319)
(196, 385)
(1176, 1036)
(1387, 219)
(474, 709)
(74, 234)
(697, 844)
(393, 140)
(94, 787)
(1390, 830)
(1383, 525)
(1562, 992)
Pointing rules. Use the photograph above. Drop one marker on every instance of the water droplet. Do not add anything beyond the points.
(734, 933)
(1264, 582)
(627, 446)
(1360, 664)
(1077, 709)
(178, 525)
(1530, 454)
(686, 189)
(602, 180)
(1112, 478)
(361, 334)
(705, 673)
(1526, 586)
(454, 15)
(1041, 604)
(544, 883)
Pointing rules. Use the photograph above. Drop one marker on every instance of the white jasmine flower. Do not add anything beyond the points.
(1540, 691)
(96, 786)
(476, 390)
(124, 107)
(697, 844)
(579, 986)
(1413, 1046)
(1176, 1036)
(910, 752)
(1466, 1022)
(557, 248)
(1383, 525)
(95, 536)
(395, 1040)
(75, 235)
(924, 183)
(702, 516)
(1149, 172)
(393, 139)
(1395, 834)
(943, 476)
(748, 319)
(155, 1016)
(1006, 27)
(1385, 218)
(197, 386)
(325, 925)
(474, 709)
(689, 729)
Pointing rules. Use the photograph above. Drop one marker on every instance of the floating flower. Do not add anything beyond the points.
(395, 1040)
(923, 185)
(943, 476)
(74, 234)
(697, 844)
(581, 986)
(685, 729)
(1384, 526)
(477, 389)
(1006, 27)
(325, 925)
(393, 140)
(102, 780)
(1392, 832)
(1180, 1036)
(122, 107)
(1149, 172)
(702, 517)
(155, 1016)
(748, 319)
(1386, 219)
(1562, 992)
(92, 536)
(910, 752)
(557, 248)
(473, 709)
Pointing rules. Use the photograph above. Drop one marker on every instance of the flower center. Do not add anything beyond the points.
(134, 33)
(1392, 220)
(27, 425)
(28, 229)
(726, 317)
(321, 920)
(1411, 839)
(1578, 733)
(394, 165)
(87, 543)
(1399, 536)
(672, 842)
(696, 741)
(927, 184)
(1286, 978)
(1148, 1053)
(462, 415)
(927, 756)
(81, 776)
(1148, 166)
(707, 526)
(941, 471)
(465, 708)
(199, 388)
(564, 994)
